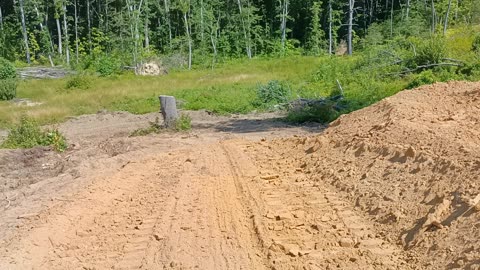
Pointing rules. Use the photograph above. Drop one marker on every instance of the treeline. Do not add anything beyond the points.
(200, 31)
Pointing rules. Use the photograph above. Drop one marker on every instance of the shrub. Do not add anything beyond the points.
(273, 92)
(426, 77)
(431, 51)
(8, 85)
(107, 65)
(318, 113)
(183, 123)
(78, 82)
(7, 70)
(27, 134)
(476, 44)
(8, 89)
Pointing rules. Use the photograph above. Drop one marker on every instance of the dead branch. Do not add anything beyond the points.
(424, 67)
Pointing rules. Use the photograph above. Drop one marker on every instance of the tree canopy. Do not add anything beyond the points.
(199, 31)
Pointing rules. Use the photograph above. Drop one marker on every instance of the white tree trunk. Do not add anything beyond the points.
(76, 33)
(248, 47)
(446, 17)
(283, 26)
(167, 17)
(59, 32)
(65, 26)
(408, 9)
(187, 29)
(351, 6)
(1, 19)
(434, 19)
(330, 36)
(391, 19)
(24, 32)
(89, 23)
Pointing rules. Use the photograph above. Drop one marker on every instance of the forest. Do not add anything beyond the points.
(82, 33)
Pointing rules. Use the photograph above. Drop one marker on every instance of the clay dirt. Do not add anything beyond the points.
(392, 186)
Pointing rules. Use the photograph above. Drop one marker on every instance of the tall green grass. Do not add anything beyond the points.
(229, 88)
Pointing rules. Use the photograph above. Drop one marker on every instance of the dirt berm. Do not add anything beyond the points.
(411, 164)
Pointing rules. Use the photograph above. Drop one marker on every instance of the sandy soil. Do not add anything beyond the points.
(393, 186)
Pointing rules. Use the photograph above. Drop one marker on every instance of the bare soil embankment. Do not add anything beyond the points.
(393, 186)
(411, 165)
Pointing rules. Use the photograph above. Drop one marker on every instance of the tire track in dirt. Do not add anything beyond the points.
(230, 205)
(208, 227)
(309, 226)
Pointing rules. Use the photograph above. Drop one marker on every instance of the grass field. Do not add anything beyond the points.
(230, 88)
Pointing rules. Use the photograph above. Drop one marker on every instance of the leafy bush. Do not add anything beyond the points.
(273, 92)
(7, 70)
(476, 44)
(27, 134)
(107, 65)
(183, 123)
(426, 77)
(8, 84)
(318, 113)
(431, 51)
(78, 82)
(8, 89)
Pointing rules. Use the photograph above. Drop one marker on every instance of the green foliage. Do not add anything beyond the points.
(7, 70)
(219, 99)
(107, 66)
(426, 77)
(432, 51)
(316, 42)
(136, 105)
(27, 134)
(183, 123)
(319, 113)
(8, 89)
(79, 82)
(476, 44)
(273, 92)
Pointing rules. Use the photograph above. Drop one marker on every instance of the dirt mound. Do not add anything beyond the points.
(411, 164)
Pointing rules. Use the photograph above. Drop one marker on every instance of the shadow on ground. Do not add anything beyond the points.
(242, 126)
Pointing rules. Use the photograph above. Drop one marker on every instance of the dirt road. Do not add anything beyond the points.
(220, 206)
(393, 186)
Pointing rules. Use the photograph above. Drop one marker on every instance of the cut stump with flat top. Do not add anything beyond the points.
(168, 108)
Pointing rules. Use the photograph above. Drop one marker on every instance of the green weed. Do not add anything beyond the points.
(27, 134)
(183, 123)
(79, 82)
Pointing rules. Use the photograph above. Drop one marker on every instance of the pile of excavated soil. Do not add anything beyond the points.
(411, 165)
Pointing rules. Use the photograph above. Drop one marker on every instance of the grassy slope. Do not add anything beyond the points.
(227, 89)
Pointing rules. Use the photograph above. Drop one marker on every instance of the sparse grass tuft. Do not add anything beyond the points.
(183, 124)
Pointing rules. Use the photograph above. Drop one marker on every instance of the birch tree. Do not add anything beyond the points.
(351, 7)
(24, 31)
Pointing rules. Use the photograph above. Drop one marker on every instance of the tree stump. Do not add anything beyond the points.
(168, 108)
